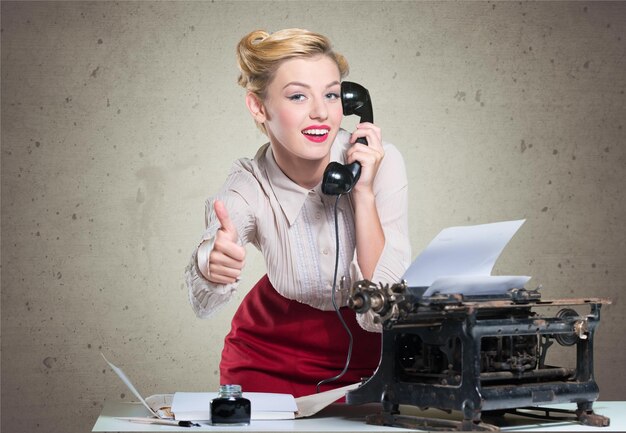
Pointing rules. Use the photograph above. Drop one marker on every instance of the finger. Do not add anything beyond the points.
(370, 126)
(224, 271)
(372, 137)
(226, 223)
(221, 279)
(220, 258)
(228, 247)
(363, 153)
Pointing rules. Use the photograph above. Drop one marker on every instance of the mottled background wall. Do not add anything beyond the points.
(118, 119)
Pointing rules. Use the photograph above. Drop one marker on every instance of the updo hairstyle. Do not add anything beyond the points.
(259, 54)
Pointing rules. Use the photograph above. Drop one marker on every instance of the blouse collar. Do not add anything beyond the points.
(289, 194)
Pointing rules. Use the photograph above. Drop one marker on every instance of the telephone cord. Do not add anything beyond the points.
(334, 288)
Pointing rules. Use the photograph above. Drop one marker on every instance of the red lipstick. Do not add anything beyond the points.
(316, 133)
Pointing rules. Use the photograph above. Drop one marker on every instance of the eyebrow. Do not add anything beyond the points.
(297, 83)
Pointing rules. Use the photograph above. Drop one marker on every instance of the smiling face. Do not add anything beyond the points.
(302, 114)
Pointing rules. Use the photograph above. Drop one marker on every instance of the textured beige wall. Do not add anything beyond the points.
(118, 119)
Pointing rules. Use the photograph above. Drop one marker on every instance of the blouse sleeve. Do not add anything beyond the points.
(238, 195)
(391, 190)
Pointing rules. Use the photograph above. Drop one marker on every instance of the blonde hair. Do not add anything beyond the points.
(259, 54)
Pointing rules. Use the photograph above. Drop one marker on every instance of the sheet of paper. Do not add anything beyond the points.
(195, 406)
(461, 251)
(130, 386)
(476, 284)
(311, 404)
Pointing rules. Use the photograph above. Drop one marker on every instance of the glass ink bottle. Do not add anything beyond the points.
(229, 407)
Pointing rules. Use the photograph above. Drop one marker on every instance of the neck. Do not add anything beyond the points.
(306, 174)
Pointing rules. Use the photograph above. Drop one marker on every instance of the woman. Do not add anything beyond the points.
(285, 336)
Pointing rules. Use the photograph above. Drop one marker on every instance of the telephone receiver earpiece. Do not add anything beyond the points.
(339, 178)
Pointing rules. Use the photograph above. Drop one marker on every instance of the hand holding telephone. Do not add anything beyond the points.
(339, 178)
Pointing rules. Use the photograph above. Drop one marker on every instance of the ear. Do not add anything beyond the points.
(256, 107)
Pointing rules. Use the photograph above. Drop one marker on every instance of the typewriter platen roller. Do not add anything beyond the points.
(483, 356)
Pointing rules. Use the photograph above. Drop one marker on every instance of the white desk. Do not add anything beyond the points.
(344, 418)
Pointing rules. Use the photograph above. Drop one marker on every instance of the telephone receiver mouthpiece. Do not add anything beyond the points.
(339, 179)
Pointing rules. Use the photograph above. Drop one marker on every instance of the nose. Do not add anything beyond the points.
(319, 110)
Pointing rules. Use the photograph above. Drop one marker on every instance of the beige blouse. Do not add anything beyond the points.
(294, 229)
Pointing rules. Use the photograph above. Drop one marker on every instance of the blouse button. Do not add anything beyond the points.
(325, 252)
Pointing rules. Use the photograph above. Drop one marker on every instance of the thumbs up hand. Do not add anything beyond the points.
(227, 258)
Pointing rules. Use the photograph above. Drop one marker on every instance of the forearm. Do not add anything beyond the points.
(205, 295)
(381, 222)
(370, 238)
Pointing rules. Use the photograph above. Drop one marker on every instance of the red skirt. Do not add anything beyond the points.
(279, 345)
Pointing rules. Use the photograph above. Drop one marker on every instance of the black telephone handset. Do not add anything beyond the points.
(339, 178)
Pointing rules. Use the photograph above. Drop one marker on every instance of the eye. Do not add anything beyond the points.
(296, 97)
(332, 95)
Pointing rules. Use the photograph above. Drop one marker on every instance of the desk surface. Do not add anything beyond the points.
(345, 418)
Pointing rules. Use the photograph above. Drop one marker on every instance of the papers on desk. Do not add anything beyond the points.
(460, 260)
(194, 406)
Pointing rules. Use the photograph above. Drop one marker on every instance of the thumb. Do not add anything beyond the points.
(224, 219)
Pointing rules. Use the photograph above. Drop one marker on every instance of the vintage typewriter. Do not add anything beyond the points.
(483, 356)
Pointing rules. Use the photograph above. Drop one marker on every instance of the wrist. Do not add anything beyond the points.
(365, 194)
